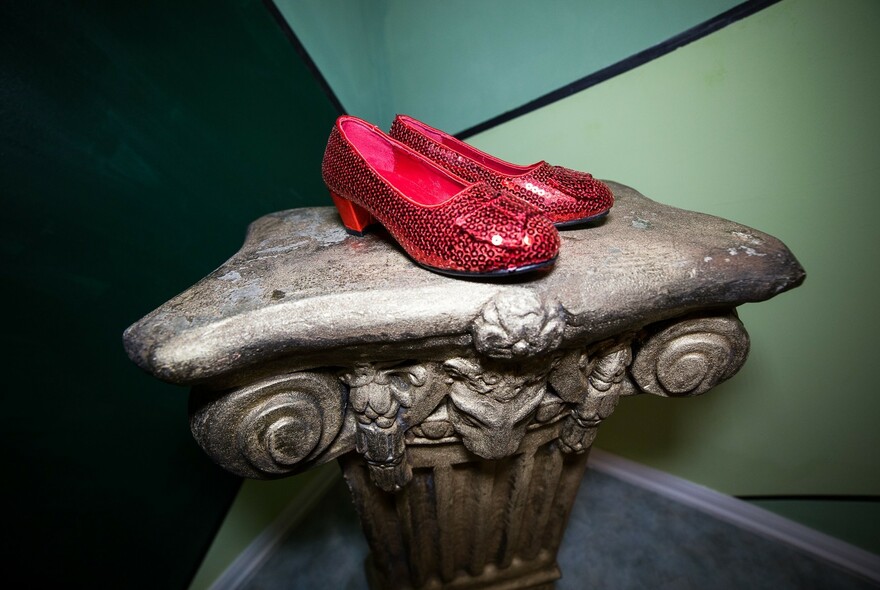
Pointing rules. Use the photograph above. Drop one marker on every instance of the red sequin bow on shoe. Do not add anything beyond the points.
(567, 197)
(444, 223)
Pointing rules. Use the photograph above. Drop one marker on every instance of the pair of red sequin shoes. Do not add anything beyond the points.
(454, 209)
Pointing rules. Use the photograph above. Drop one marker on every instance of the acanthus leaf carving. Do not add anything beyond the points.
(379, 396)
(277, 426)
(606, 382)
(517, 323)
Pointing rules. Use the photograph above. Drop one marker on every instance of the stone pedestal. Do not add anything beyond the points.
(465, 522)
(462, 412)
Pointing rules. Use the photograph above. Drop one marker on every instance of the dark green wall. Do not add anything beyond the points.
(137, 141)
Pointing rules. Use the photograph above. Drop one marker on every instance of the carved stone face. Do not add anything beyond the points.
(491, 410)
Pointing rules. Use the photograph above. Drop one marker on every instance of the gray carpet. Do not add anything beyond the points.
(620, 537)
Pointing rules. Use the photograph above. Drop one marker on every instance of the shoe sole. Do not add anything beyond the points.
(495, 274)
(579, 222)
(461, 274)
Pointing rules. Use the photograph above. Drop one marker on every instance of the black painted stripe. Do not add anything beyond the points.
(815, 497)
(304, 55)
(724, 19)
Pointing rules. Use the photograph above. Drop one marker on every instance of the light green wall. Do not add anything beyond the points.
(433, 59)
(458, 63)
(772, 122)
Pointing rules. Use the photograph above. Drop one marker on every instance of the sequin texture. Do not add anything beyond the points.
(480, 230)
(564, 195)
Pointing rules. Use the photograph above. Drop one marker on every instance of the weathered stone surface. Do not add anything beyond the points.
(462, 411)
(301, 288)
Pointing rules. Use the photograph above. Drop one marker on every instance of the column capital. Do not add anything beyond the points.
(309, 343)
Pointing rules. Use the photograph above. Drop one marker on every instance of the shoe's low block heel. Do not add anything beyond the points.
(355, 218)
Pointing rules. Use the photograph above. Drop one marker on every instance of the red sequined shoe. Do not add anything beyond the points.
(444, 223)
(566, 196)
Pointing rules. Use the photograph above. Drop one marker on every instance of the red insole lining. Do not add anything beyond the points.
(416, 178)
(500, 166)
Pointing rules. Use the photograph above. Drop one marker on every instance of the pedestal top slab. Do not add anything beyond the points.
(302, 291)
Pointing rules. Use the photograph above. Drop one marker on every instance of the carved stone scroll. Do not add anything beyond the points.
(273, 427)
(276, 426)
(691, 356)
